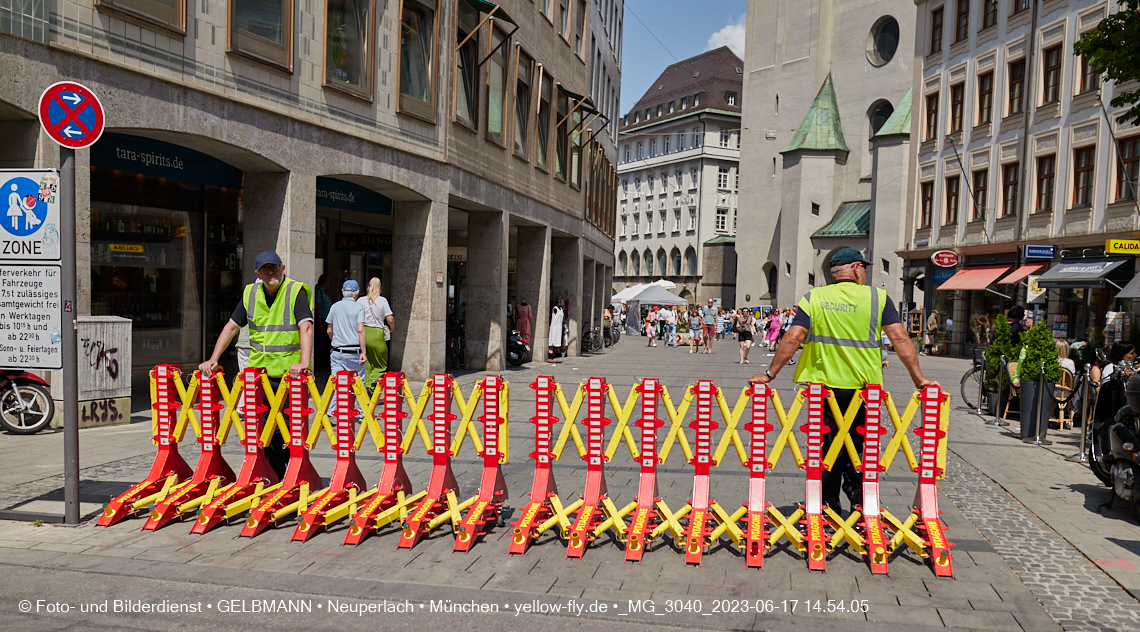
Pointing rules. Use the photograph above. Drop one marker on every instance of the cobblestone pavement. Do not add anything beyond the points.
(1014, 571)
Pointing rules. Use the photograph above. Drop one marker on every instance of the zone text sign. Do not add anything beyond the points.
(31, 321)
(29, 225)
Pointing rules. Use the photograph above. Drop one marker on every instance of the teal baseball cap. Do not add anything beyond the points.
(844, 256)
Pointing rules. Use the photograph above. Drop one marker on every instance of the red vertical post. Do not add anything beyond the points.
(167, 462)
(756, 532)
(492, 485)
(704, 394)
(393, 478)
(538, 509)
(210, 465)
(589, 515)
(813, 465)
(930, 433)
(873, 431)
(645, 516)
(442, 479)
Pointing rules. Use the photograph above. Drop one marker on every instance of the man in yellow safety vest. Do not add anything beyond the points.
(842, 324)
(279, 313)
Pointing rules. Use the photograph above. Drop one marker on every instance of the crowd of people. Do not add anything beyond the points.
(698, 327)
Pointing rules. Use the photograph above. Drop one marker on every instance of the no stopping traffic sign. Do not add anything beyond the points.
(71, 114)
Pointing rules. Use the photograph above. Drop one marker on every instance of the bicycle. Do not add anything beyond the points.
(592, 340)
(973, 382)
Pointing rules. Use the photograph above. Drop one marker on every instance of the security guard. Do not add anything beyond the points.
(842, 324)
(280, 317)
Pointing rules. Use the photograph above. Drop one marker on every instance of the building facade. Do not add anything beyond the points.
(1017, 146)
(822, 79)
(437, 146)
(678, 173)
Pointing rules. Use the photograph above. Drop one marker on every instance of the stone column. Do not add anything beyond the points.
(588, 301)
(566, 282)
(279, 212)
(487, 244)
(418, 292)
(533, 264)
(601, 291)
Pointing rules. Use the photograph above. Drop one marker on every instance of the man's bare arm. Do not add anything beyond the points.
(788, 346)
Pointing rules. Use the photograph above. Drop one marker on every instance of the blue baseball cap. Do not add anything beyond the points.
(350, 286)
(265, 258)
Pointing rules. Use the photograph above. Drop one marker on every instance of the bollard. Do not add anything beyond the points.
(755, 520)
(645, 515)
(931, 434)
(698, 530)
(1082, 456)
(442, 486)
(589, 513)
(488, 502)
(817, 395)
(544, 501)
(876, 542)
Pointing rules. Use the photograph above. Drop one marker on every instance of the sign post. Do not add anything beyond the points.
(72, 116)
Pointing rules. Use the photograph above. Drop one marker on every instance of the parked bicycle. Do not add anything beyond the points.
(974, 381)
(592, 340)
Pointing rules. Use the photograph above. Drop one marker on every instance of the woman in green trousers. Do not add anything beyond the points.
(378, 326)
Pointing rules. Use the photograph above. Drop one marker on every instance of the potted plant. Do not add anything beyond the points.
(1038, 349)
(1002, 346)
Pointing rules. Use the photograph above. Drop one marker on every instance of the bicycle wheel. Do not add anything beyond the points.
(970, 384)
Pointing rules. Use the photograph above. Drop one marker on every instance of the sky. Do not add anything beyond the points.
(685, 28)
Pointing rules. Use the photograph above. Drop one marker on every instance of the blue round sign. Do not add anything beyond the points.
(25, 211)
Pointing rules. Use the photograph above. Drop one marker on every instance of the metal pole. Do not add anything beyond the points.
(1082, 456)
(981, 386)
(70, 350)
(1040, 432)
(1001, 382)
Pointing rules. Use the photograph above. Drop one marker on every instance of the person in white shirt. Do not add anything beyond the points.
(378, 326)
(670, 318)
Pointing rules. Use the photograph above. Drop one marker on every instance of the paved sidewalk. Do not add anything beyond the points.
(1032, 550)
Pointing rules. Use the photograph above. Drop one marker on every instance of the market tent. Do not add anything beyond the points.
(665, 283)
(627, 293)
(651, 295)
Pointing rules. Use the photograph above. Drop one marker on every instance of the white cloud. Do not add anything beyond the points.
(732, 36)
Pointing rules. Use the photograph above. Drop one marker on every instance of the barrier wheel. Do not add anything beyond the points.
(26, 408)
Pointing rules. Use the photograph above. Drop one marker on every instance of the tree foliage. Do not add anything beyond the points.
(1040, 347)
(1113, 50)
(1002, 347)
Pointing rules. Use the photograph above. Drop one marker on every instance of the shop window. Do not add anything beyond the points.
(936, 31)
(467, 65)
(1046, 173)
(560, 136)
(497, 89)
(932, 116)
(1090, 79)
(927, 204)
(1128, 169)
(989, 13)
(263, 30)
(348, 46)
(981, 194)
(542, 123)
(168, 15)
(985, 98)
(957, 106)
(952, 200)
(1017, 87)
(1051, 80)
(522, 105)
(1009, 181)
(417, 59)
(1083, 176)
(962, 27)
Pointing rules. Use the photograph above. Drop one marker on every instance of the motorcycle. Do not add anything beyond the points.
(1114, 451)
(518, 351)
(26, 406)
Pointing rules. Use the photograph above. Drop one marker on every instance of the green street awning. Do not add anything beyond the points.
(1082, 273)
(852, 219)
(488, 7)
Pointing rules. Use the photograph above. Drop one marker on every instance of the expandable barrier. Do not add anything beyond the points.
(211, 409)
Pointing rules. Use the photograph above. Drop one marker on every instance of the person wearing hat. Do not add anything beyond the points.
(346, 331)
(279, 313)
(842, 324)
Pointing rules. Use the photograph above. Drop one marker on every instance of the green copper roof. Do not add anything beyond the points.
(721, 239)
(821, 128)
(899, 121)
(852, 219)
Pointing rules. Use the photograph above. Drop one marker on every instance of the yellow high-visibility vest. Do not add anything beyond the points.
(844, 347)
(274, 337)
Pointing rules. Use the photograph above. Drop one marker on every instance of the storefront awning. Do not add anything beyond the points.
(1085, 273)
(1021, 273)
(975, 278)
(1132, 290)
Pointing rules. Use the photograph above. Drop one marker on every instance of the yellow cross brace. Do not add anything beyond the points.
(727, 523)
(669, 522)
(843, 421)
(274, 416)
(787, 528)
(569, 415)
(676, 417)
(467, 413)
(615, 518)
(230, 396)
(622, 428)
(899, 438)
(187, 395)
(731, 434)
(844, 530)
(904, 534)
(417, 407)
(787, 425)
(561, 517)
(368, 418)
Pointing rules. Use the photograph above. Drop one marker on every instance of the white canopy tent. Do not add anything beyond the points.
(649, 296)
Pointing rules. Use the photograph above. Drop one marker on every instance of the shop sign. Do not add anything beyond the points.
(347, 196)
(945, 258)
(1034, 292)
(456, 253)
(1039, 251)
(941, 275)
(155, 158)
(1122, 246)
(362, 242)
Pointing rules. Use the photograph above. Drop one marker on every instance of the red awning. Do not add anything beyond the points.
(976, 278)
(1021, 273)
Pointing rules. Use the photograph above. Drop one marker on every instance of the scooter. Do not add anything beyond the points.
(518, 351)
(1114, 452)
(26, 406)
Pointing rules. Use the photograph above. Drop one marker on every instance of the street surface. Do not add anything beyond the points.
(1035, 548)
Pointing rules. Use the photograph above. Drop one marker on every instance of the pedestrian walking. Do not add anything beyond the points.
(670, 326)
(708, 325)
(346, 333)
(745, 330)
(695, 327)
(773, 333)
(845, 320)
(651, 326)
(379, 322)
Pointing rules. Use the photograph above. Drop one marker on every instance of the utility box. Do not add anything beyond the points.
(104, 371)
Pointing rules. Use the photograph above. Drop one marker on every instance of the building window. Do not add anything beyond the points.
(721, 220)
(692, 219)
(684, 103)
(650, 181)
(625, 186)
(936, 31)
(990, 13)
(466, 64)
(680, 180)
(927, 204)
(636, 224)
(697, 137)
(522, 105)
(985, 98)
(579, 28)
(952, 200)
(497, 89)
(884, 43)
(639, 147)
(627, 153)
(811, 279)
(653, 148)
(690, 262)
(563, 19)
(879, 114)
(1083, 176)
(1009, 176)
(730, 98)
(815, 209)
(722, 178)
(623, 259)
(725, 138)
(734, 221)
(665, 145)
(647, 259)
(348, 46)
(1020, 5)
(696, 99)
(1017, 87)
(932, 116)
(575, 143)
(1051, 86)
(675, 262)
(981, 194)
(1090, 79)
(677, 221)
(661, 223)
(672, 106)
(693, 178)
(962, 30)
(259, 29)
(561, 136)
(957, 106)
(417, 59)
(1129, 168)
(648, 230)
(635, 257)
(1046, 171)
(622, 234)
(681, 141)
(542, 124)
(171, 15)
